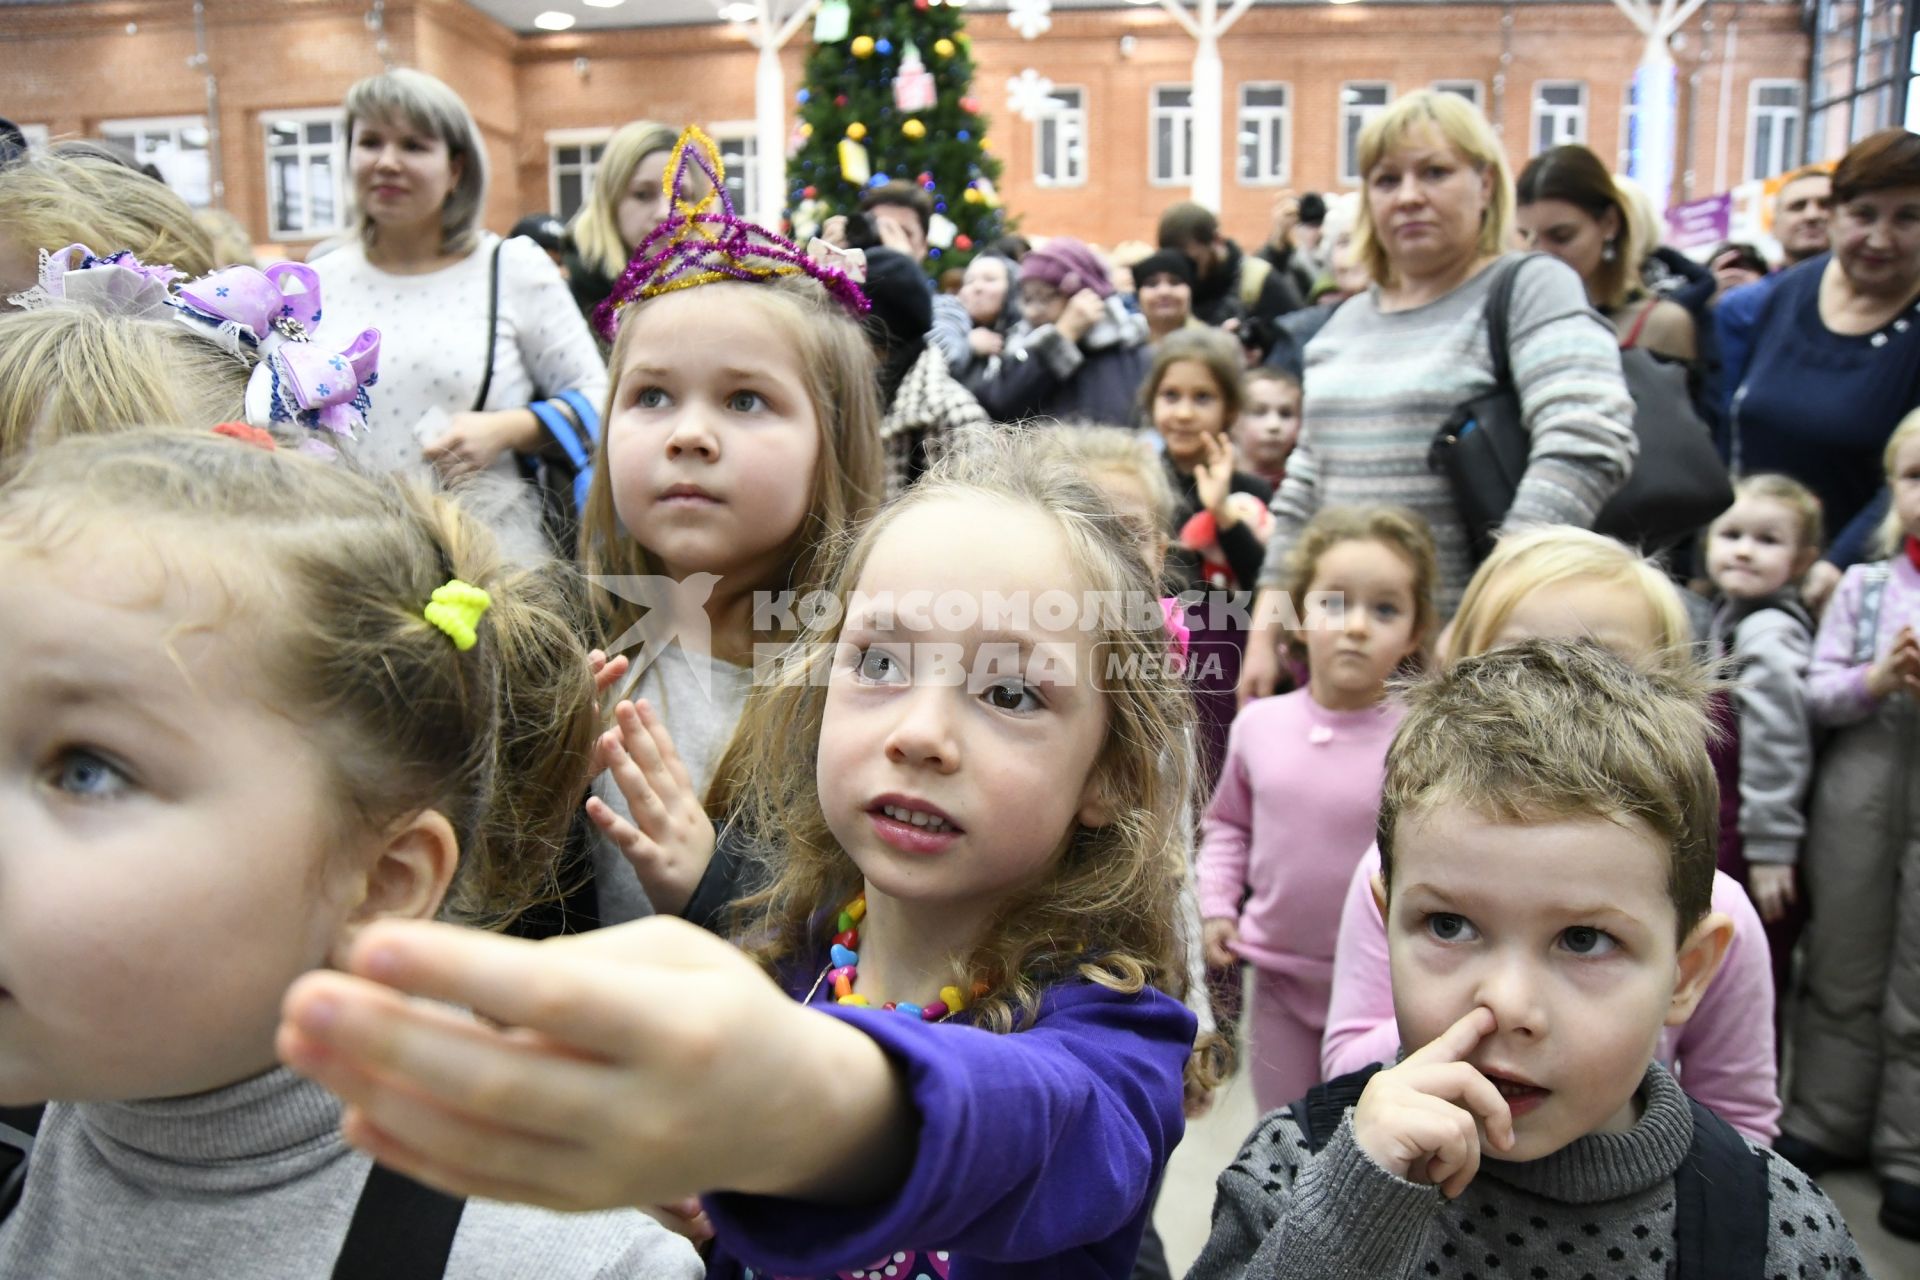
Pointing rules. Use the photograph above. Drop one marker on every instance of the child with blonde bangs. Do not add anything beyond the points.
(1565, 583)
(959, 1045)
(1757, 551)
(77, 371)
(49, 201)
(1548, 832)
(251, 703)
(1856, 1082)
(742, 435)
(1297, 798)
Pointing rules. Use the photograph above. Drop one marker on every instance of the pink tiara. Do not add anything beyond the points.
(695, 246)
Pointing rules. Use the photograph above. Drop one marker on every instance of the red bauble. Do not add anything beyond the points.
(810, 192)
(970, 104)
(925, 178)
(963, 243)
(839, 99)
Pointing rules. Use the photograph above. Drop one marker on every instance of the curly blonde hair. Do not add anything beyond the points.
(1399, 530)
(1107, 912)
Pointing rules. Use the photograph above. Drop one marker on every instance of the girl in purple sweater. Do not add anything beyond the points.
(1300, 787)
(961, 1052)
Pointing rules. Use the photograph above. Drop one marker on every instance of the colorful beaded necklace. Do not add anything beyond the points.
(843, 970)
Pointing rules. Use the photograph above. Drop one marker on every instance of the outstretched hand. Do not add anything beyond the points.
(629, 1067)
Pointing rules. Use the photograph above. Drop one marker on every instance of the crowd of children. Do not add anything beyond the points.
(854, 907)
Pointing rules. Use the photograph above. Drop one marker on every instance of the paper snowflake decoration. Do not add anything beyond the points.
(1029, 94)
(1030, 17)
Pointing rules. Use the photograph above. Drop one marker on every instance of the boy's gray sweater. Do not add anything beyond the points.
(1599, 1207)
(252, 1182)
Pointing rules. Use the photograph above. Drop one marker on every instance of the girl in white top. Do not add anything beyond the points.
(420, 272)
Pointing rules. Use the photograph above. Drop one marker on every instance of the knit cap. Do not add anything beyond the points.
(1165, 262)
(1067, 265)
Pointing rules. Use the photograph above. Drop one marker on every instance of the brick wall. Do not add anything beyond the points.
(72, 66)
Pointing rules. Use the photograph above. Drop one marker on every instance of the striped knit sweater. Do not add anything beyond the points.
(1379, 385)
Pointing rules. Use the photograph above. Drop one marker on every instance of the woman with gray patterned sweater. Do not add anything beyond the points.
(1393, 363)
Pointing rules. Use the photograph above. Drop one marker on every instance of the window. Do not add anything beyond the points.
(1773, 128)
(176, 145)
(1266, 133)
(1559, 113)
(572, 157)
(306, 173)
(1360, 101)
(1060, 140)
(1471, 90)
(1171, 136)
(740, 153)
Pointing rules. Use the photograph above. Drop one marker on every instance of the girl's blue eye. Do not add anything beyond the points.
(1585, 940)
(1447, 927)
(83, 773)
(879, 667)
(650, 398)
(745, 402)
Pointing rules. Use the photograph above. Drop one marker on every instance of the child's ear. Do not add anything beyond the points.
(1378, 884)
(1698, 961)
(1096, 809)
(406, 880)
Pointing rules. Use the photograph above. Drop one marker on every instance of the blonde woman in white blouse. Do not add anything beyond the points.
(420, 271)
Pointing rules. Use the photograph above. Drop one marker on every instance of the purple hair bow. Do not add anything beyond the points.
(276, 312)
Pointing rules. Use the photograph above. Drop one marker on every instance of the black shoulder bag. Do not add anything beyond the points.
(1678, 483)
(1721, 1215)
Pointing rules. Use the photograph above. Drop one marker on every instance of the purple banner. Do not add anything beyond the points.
(1700, 222)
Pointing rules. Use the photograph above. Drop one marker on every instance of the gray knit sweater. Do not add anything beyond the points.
(1600, 1207)
(1380, 384)
(252, 1182)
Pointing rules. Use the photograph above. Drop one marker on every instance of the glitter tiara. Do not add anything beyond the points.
(697, 245)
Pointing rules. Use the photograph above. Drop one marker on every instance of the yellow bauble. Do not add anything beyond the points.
(856, 131)
(806, 130)
(943, 47)
(914, 129)
(862, 46)
(973, 196)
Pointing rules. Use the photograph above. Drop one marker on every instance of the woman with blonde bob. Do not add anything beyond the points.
(627, 202)
(50, 201)
(1561, 583)
(484, 360)
(1393, 364)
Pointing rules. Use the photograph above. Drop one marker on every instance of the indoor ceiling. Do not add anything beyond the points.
(589, 16)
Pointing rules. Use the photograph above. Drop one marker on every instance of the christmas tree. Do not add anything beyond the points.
(888, 99)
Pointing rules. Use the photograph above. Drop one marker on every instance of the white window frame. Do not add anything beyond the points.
(1069, 122)
(1478, 97)
(1349, 160)
(1181, 168)
(1541, 112)
(557, 138)
(739, 144)
(336, 151)
(1269, 174)
(173, 126)
(1789, 156)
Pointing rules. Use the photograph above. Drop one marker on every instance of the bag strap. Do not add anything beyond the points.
(1319, 1113)
(1721, 1204)
(1873, 590)
(1499, 307)
(1632, 339)
(18, 1125)
(401, 1230)
(493, 317)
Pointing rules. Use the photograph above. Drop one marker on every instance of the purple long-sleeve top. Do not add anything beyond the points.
(1837, 685)
(1037, 1153)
